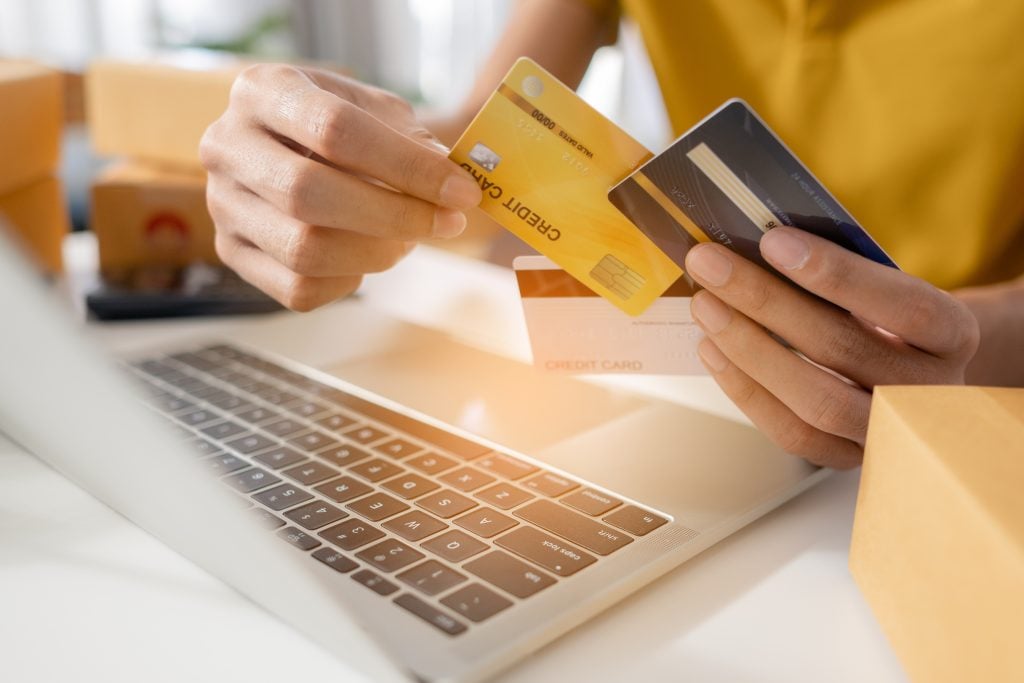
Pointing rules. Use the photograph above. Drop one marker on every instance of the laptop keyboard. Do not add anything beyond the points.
(446, 528)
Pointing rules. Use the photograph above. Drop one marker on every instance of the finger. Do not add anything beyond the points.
(288, 102)
(909, 307)
(305, 249)
(824, 333)
(318, 194)
(815, 396)
(779, 423)
(297, 292)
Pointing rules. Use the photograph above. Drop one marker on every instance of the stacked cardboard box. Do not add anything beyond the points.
(31, 199)
(150, 207)
(938, 537)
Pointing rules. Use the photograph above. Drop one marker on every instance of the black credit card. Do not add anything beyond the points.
(730, 179)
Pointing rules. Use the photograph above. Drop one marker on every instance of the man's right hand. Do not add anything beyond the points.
(316, 179)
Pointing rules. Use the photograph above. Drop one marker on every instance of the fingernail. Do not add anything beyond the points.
(460, 191)
(448, 223)
(712, 314)
(707, 264)
(784, 249)
(712, 356)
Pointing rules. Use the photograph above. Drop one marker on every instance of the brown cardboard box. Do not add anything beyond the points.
(31, 115)
(938, 538)
(145, 215)
(155, 111)
(38, 213)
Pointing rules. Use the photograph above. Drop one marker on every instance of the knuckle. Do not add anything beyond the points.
(410, 220)
(302, 294)
(835, 413)
(226, 248)
(301, 254)
(845, 346)
(294, 184)
(211, 151)
(831, 275)
(254, 78)
(760, 297)
(798, 439)
(331, 127)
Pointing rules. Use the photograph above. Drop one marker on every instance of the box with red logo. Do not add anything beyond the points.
(145, 215)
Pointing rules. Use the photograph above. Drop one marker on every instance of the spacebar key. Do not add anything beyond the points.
(573, 527)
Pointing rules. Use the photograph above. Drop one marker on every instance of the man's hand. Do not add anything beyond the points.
(316, 179)
(881, 327)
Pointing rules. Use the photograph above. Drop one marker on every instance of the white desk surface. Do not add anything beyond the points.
(86, 596)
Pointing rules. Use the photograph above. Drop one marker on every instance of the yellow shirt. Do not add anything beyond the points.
(910, 111)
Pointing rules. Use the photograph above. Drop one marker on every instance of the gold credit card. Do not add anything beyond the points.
(545, 161)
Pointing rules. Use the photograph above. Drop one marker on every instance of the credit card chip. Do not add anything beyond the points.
(617, 277)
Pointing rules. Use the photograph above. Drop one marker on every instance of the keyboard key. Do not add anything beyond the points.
(279, 457)
(299, 539)
(390, 555)
(251, 480)
(257, 415)
(455, 546)
(441, 438)
(225, 464)
(343, 455)
(335, 560)
(485, 522)
(250, 443)
(573, 526)
(550, 484)
(223, 430)
(431, 577)
(415, 525)
(504, 496)
(336, 422)
(467, 479)
(430, 614)
(351, 534)
(475, 602)
(281, 497)
(341, 490)
(397, 448)
(505, 466)
(549, 552)
(315, 515)
(410, 486)
(635, 520)
(226, 401)
(430, 463)
(377, 506)
(310, 473)
(194, 418)
(365, 435)
(591, 502)
(312, 441)
(375, 582)
(376, 469)
(446, 503)
(307, 409)
(272, 395)
(509, 574)
(284, 428)
(204, 447)
(267, 518)
(169, 403)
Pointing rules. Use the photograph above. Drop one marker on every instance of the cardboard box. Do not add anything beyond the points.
(39, 215)
(144, 215)
(156, 111)
(938, 538)
(31, 115)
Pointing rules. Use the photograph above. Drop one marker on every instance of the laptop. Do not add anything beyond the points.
(441, 527)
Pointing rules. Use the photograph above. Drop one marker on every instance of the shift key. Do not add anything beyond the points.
(573, 526)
